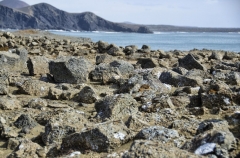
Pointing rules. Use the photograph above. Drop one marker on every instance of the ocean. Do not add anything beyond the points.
(167, 41)
(184, 41)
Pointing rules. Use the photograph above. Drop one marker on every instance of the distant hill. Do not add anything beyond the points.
(13, 3)
(45, 16)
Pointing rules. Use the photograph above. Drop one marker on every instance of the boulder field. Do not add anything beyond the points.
(67, 97)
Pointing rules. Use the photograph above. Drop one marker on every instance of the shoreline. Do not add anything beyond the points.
(62, 96)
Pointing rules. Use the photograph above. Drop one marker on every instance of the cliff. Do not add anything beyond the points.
(13, 3)
(45, 16)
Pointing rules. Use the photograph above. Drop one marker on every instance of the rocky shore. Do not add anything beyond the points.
(67, 97)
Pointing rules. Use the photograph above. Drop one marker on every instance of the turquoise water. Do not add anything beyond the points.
(166, 40)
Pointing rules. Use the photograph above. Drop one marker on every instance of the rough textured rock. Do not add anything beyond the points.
(14, 60)
(218, 95)
(34, 87)
(37, 103)
(177, 80)
(146, 148)
(70, 70)
(8, 103)
(118, 106)
(87, 95)
(25, 122)
(157, 133)
(124, 67)
(4, 84)
(189, 62)
(113, 50)
(103, 59)
(158, 103)
(100, 138)
(37, 65)
(148, 63)
(27, 148)
(105, 74)
(215, 135)
(54, 132)
(142, 94)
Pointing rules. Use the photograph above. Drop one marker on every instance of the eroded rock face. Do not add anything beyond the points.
(70, 70)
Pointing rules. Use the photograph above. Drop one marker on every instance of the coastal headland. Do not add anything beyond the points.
(63, 96)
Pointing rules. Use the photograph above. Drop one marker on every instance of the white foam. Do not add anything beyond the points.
(119, 135)
(205, 149)
(157, 33)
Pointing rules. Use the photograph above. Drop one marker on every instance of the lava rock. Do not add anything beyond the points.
(189, 62)
(70, 70)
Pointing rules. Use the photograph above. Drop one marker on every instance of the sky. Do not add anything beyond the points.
(200, 13)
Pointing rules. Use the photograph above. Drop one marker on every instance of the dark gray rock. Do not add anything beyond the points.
(144, 82)
(157, 133)
(113, 50)
(213, 136)
(54, 132)
(103, 59)
(157, 103)
(217, 95)
(118, 106)
(70, 70)
(146, 49)
(177, 80)
(188, 127)
(100, 138)
(189, 62)
(130, 50)
(124, 67)
(25, 122)
(180, 70)
(230, 55)
(148, 63)
(102, 46)
(105, 74)
(233, 78)
(87, 95)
